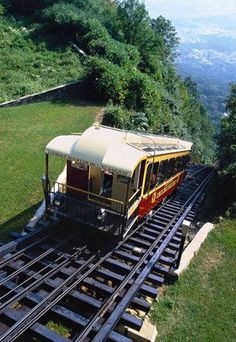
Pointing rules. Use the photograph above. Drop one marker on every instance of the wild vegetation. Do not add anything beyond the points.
(125, 55)
(30, 65)
(227, 153)
(127, 58)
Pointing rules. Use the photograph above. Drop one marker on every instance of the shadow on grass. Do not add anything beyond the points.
(17, 223)
(80, 101)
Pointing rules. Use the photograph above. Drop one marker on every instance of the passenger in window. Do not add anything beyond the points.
(106, 189)
(153, 181)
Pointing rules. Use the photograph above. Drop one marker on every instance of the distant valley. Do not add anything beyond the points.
(207, 53)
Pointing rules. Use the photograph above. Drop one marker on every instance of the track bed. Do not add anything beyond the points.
(87, 282)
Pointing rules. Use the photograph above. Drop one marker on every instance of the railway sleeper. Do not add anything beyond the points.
(41, 331)
(38, 330)
(168, 212)
(127, 319)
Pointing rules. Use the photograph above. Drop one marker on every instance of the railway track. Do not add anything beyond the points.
(53, 276)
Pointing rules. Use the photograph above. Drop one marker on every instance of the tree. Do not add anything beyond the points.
(164, 28)
(227, 155)
(134, 27)
(133, 19)
(26, 7)
(227, 138)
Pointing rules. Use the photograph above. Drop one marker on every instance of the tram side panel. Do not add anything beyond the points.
(174, 173)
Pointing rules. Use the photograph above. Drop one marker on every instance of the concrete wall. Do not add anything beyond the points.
(73, 89)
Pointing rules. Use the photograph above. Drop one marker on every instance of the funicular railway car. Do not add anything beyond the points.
(114, 177)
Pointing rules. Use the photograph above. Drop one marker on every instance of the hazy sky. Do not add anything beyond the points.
(191, 8)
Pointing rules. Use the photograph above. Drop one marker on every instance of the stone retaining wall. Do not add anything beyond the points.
(73, 89)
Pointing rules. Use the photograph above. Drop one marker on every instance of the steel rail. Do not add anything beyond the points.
(110, 323)
(111, 299)
(53, 298)
(39, 281)
(24, 249)
(34, 261)
(47, 303)
(31, 286)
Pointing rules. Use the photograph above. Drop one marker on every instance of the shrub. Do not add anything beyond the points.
(97, 41)
(116, 116)
(139, 121)
(26, 7)
(142, 92)
(109, 80)
(63, 14)
(2, 9)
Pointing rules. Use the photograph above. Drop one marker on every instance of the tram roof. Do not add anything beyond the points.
(113, 149)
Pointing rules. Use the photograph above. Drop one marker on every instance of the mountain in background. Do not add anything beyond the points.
(207, 53)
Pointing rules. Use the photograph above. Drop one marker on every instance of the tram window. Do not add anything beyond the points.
(106, 189)
(148, 174)
(143, 163)
(171, 165)
(175, 170)
(177, 164)
(153, 180)
(187, 160)
(180, 164)
(163, 171)
(159, 173)
(184, 162)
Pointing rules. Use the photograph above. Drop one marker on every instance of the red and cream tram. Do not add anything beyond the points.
(114, 177)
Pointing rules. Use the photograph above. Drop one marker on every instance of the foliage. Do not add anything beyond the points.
(120, 117)
(28, 67)
(133, 22)
(139, 122)
(164, 28)
(227, 137)
(227, 152)
(116, 116)
(125, 54)
(26, 7)
(108, 79)
(2, 9)
(98, 42)
(64, 14)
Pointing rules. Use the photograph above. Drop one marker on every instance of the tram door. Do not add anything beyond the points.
(77, 177)
(106, 189)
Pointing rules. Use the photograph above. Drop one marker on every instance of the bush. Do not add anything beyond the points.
(97, 41)
(63, 14)
(116, 116)
(108, 79)
(2, 9)
(139, 122)
(26, 7)
(142, 92)
(114, 51)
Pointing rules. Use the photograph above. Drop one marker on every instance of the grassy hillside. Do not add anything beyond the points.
(128, 59)
(30, 65)
(201, 306)
(24, 132)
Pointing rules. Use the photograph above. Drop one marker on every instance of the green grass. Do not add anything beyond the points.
(30, 65)
(201, 306)
(24, 132)
(59, 328)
